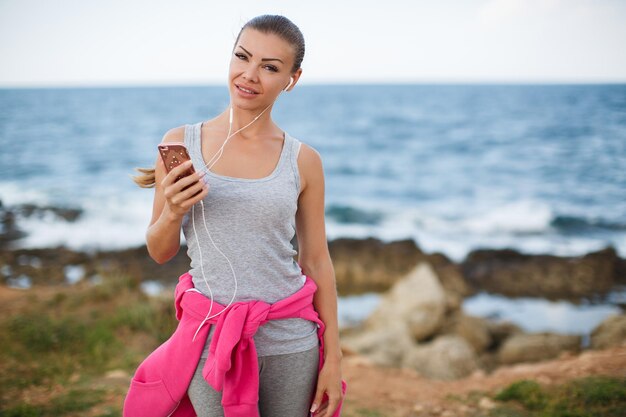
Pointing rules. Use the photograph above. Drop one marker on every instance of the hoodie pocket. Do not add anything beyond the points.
(148, 399)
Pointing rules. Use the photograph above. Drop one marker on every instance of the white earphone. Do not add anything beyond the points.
(288, 85)
(212, 162)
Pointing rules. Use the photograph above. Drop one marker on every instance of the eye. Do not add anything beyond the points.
(272, 68)
(240, 56)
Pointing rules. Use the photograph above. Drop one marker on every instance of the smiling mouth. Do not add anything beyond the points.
(245, 90)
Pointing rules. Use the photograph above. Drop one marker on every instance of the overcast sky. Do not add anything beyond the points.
(159, 42)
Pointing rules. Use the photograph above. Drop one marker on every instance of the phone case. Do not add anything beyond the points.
(174, 154)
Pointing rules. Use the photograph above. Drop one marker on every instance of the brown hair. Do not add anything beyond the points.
(283, 28)
(274, 24)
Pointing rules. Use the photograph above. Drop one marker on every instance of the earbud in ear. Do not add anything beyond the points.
(288, 85)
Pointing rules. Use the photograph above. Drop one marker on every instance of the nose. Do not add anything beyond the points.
(250, 73)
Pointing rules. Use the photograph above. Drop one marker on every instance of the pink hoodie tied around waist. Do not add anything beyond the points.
(159, 385)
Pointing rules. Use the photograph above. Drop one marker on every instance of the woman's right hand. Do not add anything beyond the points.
(178, 200)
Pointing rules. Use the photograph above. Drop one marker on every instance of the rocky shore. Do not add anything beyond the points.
(419, 324)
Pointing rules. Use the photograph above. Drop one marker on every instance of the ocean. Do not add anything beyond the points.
(537, 168)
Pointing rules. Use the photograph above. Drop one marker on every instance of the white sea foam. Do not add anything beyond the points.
(12, 194)
(121, 221)
(114, 223)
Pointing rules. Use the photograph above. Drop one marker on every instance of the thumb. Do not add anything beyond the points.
(318, 399)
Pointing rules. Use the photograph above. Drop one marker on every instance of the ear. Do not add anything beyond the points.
(293, 80)
(288, 85)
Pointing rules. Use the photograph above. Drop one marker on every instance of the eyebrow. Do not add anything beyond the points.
(263, 59)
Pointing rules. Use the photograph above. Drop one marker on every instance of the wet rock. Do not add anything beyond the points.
(365, 265)
(51, 267)
(9, 216)
(534, 347)
(611, 332)
(514, 274)
(68, 214)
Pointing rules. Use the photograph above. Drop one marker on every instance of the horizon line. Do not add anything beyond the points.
(170, 84)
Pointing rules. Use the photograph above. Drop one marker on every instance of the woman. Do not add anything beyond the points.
(261, 187)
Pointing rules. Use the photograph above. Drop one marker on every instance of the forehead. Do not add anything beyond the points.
(265, 45)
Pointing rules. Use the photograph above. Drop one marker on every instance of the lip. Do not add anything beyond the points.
(245, 94)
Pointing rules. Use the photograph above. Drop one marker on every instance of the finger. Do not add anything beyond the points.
(318, 399)
(191, 190)
(177, 171)
(333, 403)
(186, 181)
(194, 199)
(322, 411)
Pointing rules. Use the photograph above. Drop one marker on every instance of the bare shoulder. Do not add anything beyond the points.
(310, 165)
(175, 134)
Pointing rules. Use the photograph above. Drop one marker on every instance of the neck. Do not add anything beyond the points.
(255, 128)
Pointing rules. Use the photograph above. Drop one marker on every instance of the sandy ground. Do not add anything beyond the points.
(403, 392)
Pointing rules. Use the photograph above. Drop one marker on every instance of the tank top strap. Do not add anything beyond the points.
(192, 142)
(294, 148)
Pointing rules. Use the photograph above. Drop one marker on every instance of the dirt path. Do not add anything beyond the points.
(404, 393)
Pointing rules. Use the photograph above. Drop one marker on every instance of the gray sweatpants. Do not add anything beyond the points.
(287, 384)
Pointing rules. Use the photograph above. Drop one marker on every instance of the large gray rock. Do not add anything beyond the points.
(384, 346)
(418, 300)
(501, 330)
(611, 332)
(446, 357)
(475, 330)
(534, 347)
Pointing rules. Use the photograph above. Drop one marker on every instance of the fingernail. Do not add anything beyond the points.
(313, 408)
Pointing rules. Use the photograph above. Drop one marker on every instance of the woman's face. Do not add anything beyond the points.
(261, 63)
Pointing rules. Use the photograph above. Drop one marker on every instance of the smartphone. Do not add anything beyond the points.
(174, 154)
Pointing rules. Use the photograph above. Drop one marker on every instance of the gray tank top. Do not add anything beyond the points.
(252, 222)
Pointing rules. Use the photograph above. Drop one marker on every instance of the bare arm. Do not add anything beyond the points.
(314, 257)
(170, 205)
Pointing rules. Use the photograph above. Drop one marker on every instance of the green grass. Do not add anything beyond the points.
(69, 402)
(593, 396)
(527, 393)
(66, 343)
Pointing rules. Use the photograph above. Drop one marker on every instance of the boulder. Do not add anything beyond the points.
(417, 300)
(446, 357)
(610, 333)
(475, 330)
(534, 347)
(501, 330)
(385, 346)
